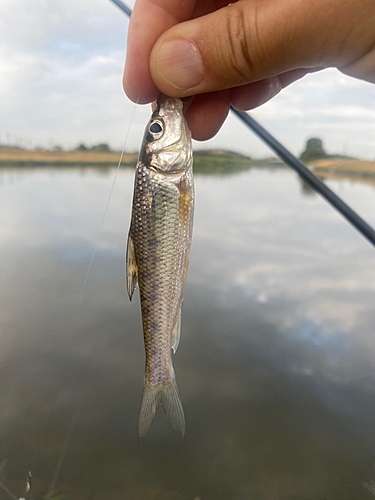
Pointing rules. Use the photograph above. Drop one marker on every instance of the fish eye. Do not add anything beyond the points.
(155, 128)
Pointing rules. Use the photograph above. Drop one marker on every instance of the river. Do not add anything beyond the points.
(276, 365)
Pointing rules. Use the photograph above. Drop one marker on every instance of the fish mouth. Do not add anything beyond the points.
(165, 102)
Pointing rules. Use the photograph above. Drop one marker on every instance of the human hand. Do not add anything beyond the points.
(242, 53)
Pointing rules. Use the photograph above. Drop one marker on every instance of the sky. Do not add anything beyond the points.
(61, 66)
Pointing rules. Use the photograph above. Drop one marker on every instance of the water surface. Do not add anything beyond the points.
(276, 365)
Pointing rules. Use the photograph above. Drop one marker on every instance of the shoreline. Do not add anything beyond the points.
(204, 162)
(220, 162)
(349, 167)
(21, 157)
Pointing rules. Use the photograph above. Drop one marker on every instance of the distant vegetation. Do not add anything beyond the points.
(214, 161)
(103, 148)
(222, 161)
(219, 161)
(206, 162)
(313, 151)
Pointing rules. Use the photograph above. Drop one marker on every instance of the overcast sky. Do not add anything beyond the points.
(61, 65)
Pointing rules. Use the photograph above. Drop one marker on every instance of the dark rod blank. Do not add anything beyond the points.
(311, 179)
(123, 7)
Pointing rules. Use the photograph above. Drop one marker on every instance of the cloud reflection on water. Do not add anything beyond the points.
(275, 366)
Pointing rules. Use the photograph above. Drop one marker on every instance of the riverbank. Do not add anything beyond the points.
(345, 169)
(221, 162)
(204, 161)
(20, 157)
(344, 166)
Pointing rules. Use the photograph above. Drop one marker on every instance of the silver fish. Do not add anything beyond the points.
(158, 252)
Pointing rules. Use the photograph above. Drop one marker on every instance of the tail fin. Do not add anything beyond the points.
(166, 395)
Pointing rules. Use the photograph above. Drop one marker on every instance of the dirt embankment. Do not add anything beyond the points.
(350, 169)
(21, 156)
(344, 166)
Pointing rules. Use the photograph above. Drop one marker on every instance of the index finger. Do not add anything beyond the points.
(150, 18)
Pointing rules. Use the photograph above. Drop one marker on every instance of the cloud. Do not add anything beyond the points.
(327, 104)
(60, 83)
(61, 70)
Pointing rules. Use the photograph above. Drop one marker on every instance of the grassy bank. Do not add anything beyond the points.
(226, 162)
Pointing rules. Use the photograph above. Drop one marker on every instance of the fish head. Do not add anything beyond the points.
(166, 143)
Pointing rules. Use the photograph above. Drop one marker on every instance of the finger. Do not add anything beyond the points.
(207, 113)
(255, 94)
(150, 18)
(252, 40)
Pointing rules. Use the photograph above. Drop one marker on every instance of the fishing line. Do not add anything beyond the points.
(120, 160)
(74, 419)
(63, 452)
(312, 180)
(108, 202)
(2, 485)
(75, 415)
(69, 432)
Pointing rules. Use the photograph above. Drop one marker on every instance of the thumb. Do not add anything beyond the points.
(251, 40)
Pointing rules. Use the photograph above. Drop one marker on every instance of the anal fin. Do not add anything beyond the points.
(176, 334)
(131, 268)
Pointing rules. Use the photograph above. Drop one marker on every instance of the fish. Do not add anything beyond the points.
(158, 251)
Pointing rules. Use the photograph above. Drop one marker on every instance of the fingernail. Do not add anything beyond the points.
(180, 64)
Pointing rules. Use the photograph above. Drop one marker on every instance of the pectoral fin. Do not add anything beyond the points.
(176, 334)
(131, 268)
(185, 204)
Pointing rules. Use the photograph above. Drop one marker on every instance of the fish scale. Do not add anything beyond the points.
(158, 235)
(158, 252)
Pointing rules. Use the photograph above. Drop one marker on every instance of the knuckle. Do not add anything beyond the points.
(240, 59)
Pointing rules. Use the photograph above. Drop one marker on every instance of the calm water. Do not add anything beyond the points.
(276, 365)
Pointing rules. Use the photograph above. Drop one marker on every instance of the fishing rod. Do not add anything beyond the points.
(306, 174)
(123, 7)
(312, 180)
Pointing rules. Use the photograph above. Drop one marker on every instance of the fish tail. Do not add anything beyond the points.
(166, 395)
